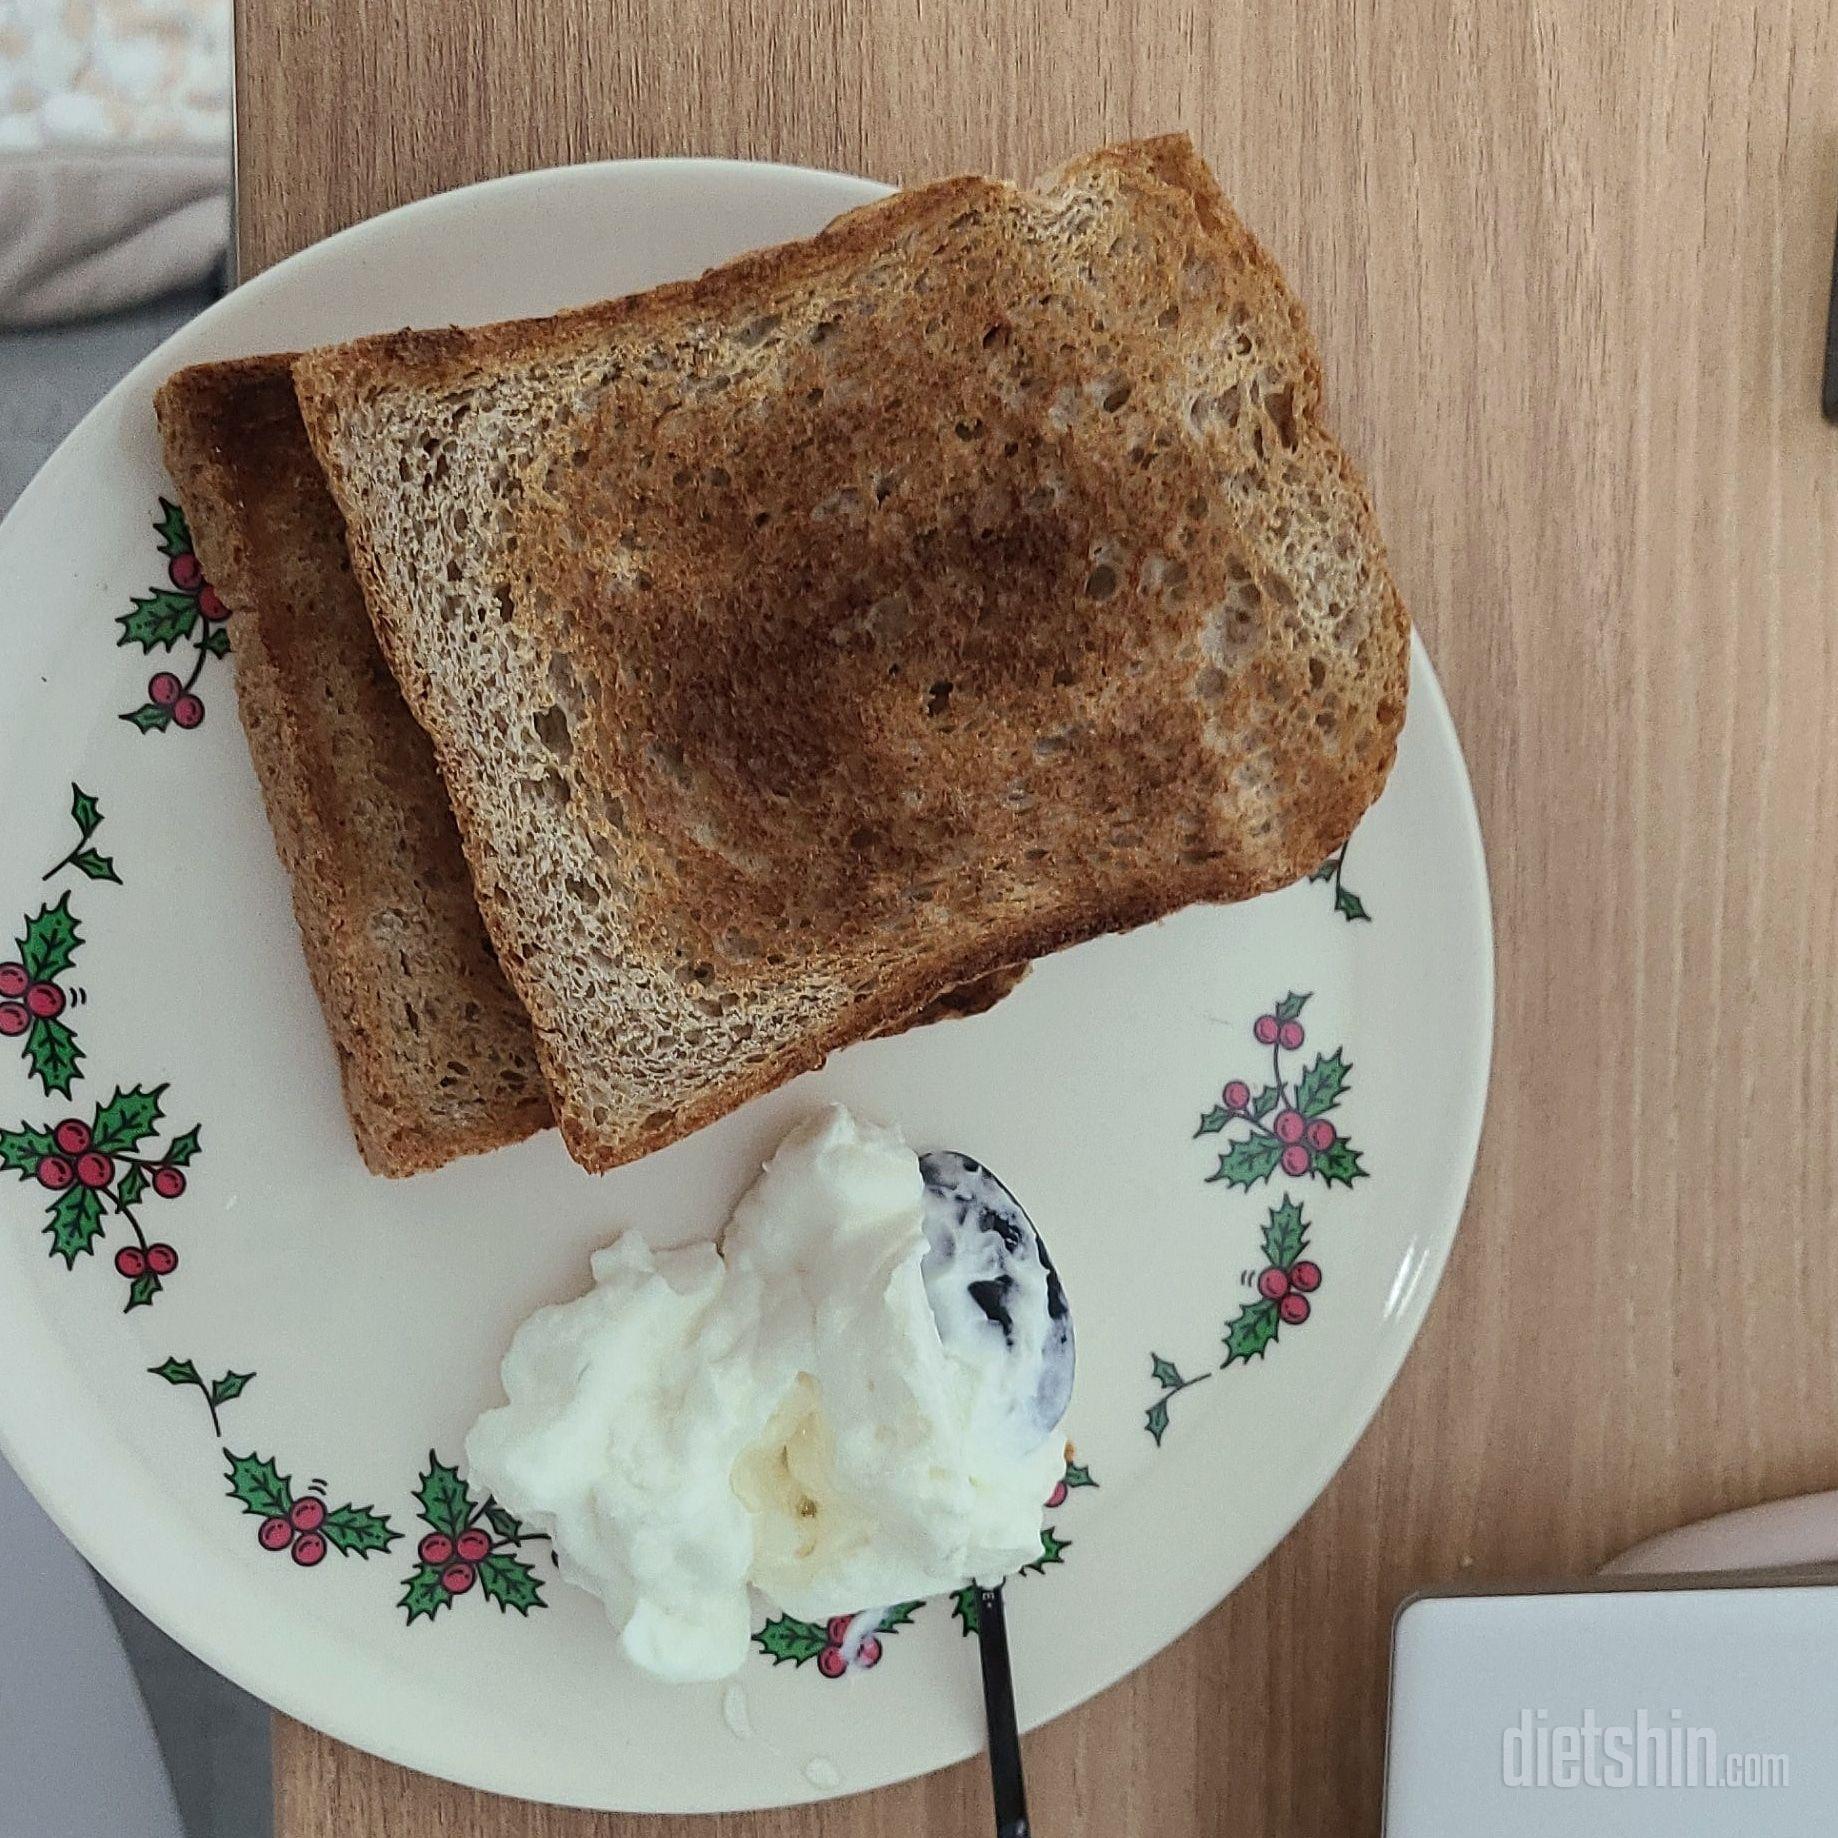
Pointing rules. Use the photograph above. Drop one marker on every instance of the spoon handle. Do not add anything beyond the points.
(999, 1708)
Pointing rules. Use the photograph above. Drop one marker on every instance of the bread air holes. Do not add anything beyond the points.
(1111, 392)
(938, 699)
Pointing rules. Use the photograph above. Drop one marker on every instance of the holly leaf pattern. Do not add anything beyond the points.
(1155, 1420)
(1321, 1086)
(52, 1055)
(1246, 1163)
(159, 620)
(141, 1292)
(1265, 1102)
(261, 1487)
(897, 1616)
(1349, 905)
(175, 537)
(358, 1528)
(1285, 1234)
(149, 717)
(1252, 1331)
(510, 1582)
(1328, 869)
(48, 945)
(217, 641)
(506, 1525)
(1166, 1373)
(182, 1148)
(126, 1120)
(24, 1148)
(74, 1223)
(1340, 1163)
(445, 1503)
(231, 1385)
(84, 809)
(1213, 1121)
(1077, 1476)
(783, 1638)
(97, 867)
(177, 1372)
(1291, 1006)
(423, 1595)
(968, 1608)
(1053, 1550)
(131, 1186)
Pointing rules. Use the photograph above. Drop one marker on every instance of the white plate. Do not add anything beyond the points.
(372, 1313)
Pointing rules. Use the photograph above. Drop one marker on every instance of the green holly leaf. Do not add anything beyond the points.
(1252, 1331)
(74, 1223)
(1052, 1551)
(423, 1594)
(1340, 1163)
(141, 1292)
(217, 640)
(1322, 1085)
(52, 1055)
(1328, 868)
(1077, 1476)
(175, 537)
(159, 620)
(967, 1606)
(48, 945)
(445, 1503)
(131, 1186)
(504, 1524)
(510, 1582)
(150, 718)
(783, 1638)
(897, 1616)
(178, 1372)
(1156, 1421)
(1285, 1235)
(182, 1148)
(1246, 1163)
(231, 1385)
(1265, 1102)
(1349, 905)
(1166, 1373)
(24, 1148)
(84, 808)
(97, 867)
(358, 1528)
(1213, 1121)
(260, 1485)
(126, 1120)
(1290, 1006)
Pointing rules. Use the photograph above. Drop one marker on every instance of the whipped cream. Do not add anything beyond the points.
(783, 1412)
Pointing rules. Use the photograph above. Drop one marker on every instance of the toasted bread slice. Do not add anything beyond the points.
(434, 1049)
(806, 640)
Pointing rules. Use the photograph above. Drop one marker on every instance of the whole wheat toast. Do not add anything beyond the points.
(434, 1049)
(805, 640)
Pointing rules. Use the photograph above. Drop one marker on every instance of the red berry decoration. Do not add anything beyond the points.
(1293, 1308)
(1321, 1135)
(436, 1548)
(1058, 1496)
(869, 1652)
(13, 1018)
(13, 980)
(1289, 1125)
(473, 1544)
(185, 572)
(95, 1169)
(131, 1261)
(456, 1579)
(1237, 1095)
(71, 1136)
(188, 711)
(1273, 1284)
(1267, 1029)
(55, 1172)
(308, 1515)
(1297, 1161)
(168, 1183)
(837, 1628)
(276, 1534)
(1305, 1275)
(164, 689)
(309, 1549)
(45, 1000)
(210, 606)
(1290, 1036)
(831, 1663)
(162, 1259)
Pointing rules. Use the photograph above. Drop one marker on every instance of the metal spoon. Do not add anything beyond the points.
(996, 1295)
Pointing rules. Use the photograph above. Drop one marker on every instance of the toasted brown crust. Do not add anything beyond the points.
(433, 1049)
(749, 766)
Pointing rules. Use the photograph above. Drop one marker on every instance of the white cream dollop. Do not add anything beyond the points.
(781, 1413)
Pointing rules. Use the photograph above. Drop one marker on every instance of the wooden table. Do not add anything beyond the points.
(1567, 260)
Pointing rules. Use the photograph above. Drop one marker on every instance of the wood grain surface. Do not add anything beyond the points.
(1567, 261)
